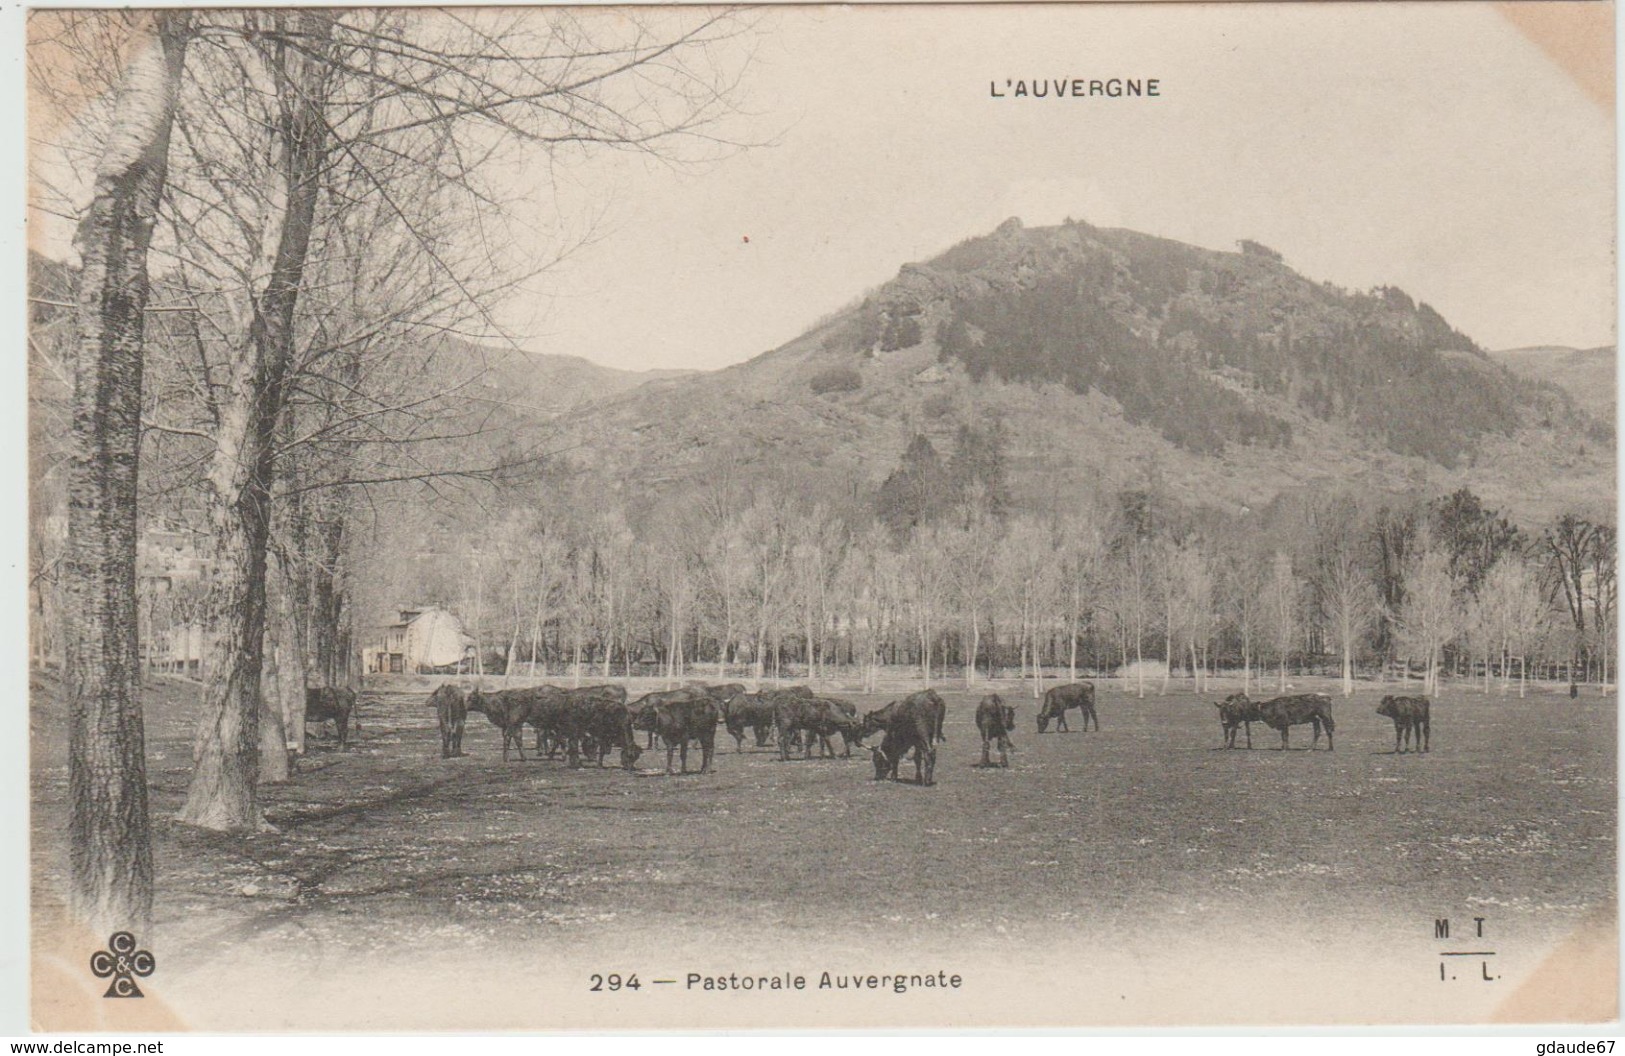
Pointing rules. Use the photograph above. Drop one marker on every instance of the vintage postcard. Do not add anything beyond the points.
(813, 517)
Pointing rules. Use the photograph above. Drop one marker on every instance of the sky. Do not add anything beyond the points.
(1428, 146)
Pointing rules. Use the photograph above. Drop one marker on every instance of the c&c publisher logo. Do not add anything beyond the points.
(123, 962)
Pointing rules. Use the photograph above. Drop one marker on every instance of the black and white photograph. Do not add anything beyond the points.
(813, 518)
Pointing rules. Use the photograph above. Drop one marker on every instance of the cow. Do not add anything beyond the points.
(336, 703)
(1282, 713)
(509, 710)
(721, 693)
(778, 693)
(1061, 699)
(451, 708)
(929, 698)
(818, 720)
(1411, 724)
(678, 721)
(752, 711)
(649, 700)
(1237, 710)
(996, 720)
(561, 716)
(912, 724)
(608, 724)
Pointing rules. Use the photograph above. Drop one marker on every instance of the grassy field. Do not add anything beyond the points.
(1144, 840)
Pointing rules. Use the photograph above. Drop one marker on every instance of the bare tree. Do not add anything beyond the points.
(977, 575)
(1083, 547)
(1432, 615)
(1517, 615)
(110, 843)
(359, 89)
(1348, 600)
(1568, 544)
(1281, 611)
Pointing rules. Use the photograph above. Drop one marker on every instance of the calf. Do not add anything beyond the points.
(508, 710)
(1411, 725)
(911, 724)
(1237, 710)
(1283, 713)
(1058, 701)
(996, 720)
(679, 721)
(451, 708)
(331, 702)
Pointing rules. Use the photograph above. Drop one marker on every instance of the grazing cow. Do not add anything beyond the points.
(1237, 710)
(1058, 701)
(508, 710)
(996, 720)
(678, 721)
(1282, 713)
(608, 724)
(561, 716)
(912, 724)
(1411, 724)
(752, 711)
(930, 699)
(336, 703)
(451, 708)
(817, 720)
(779, 693)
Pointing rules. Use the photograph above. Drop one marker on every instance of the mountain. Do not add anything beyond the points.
(552, 383)
(1586, 374)
(1112, 358)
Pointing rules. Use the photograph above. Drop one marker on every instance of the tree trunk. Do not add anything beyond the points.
(275, 682)
(1348, 669)
(109, 835)
(223, 790)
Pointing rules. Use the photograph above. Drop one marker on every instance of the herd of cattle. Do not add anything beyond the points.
(586, 724)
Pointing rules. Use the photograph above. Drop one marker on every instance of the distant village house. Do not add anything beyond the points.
(423, 641)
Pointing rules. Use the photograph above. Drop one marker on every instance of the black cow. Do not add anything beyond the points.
(451, 708)
(1411, 723)
(678, 721)
(912, 724)
(719, 693)
(608, 724)
(335, 703)
(649, 700)
(1237, 710)
(561, 717)
(996, 720)
(509, 710)
(818, 720)
(930, 699)
(1058, 701)
(1282, 713)
(752, 711)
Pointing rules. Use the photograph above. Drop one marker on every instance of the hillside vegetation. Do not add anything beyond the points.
(1586, 374)
(1112, 356)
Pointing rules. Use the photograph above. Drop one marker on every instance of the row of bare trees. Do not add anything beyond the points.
(744, 583)
(286, 223)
